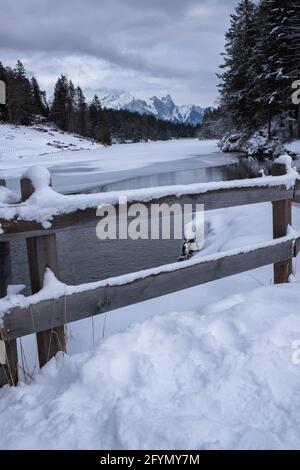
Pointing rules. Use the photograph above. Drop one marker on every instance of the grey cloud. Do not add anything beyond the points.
(169, 40)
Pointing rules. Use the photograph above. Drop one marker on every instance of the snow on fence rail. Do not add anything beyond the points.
(52, 304)
(42, 208)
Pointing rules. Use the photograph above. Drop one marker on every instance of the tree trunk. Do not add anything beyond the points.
(269, 123)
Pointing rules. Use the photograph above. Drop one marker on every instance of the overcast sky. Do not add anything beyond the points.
(144, 46)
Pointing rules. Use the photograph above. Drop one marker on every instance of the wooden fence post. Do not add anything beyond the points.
(8, 354)
(42, 253)
(282, 218)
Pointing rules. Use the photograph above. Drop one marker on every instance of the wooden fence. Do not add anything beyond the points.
(48, 317)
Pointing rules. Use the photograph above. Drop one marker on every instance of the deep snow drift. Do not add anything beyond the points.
(222, 377)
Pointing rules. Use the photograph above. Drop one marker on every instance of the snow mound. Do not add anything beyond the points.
(7, 196)
(294, 148)
(219, 378)
(285, 160)
(39, 176)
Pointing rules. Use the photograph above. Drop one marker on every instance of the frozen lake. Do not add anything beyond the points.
(83, 258)
(120, 166)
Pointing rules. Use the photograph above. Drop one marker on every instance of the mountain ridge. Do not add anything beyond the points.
(163, 108)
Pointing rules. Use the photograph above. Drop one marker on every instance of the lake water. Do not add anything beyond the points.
(84, 258)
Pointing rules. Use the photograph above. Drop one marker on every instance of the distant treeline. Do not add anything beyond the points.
(70, 111)
(261, 62)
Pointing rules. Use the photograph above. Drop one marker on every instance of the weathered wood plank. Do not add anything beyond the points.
(42, 253)
(5, 268)
(21, 322)
(215, 199)
(9, 363)
(297, 247)
(282, 218)
(297, 192)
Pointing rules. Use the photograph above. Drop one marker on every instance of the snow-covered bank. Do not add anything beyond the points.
(218, 378)
(258, 144)
(22, 147)
(255, 145)
(25, 142)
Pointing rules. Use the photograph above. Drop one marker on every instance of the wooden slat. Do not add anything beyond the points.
(215, 199)
(297, 192)
(21, 322)
(282, 218)
(297, 247)
(42, 253)
(5, 268)
(9, 370)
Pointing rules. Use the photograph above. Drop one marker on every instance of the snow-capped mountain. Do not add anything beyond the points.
(162, 108)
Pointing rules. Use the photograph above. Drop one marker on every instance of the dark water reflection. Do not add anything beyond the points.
(84, 258)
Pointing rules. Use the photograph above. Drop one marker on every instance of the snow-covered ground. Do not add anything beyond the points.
(209, 367)
(196, 369)
(73, 160)
(20, 145)
(221, 377)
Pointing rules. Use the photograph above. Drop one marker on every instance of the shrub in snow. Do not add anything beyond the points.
(255, 145)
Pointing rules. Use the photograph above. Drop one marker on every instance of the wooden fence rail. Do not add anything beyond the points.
(48, 317)
(212, 199)
(65, 309)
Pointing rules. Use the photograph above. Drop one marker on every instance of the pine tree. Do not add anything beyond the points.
(293, 35)
(105, 134)
(19, 95)
(39, 99)
(98, 123)
(261, 62)
(272, 83)
(237, 77)
(293, 55)
(71, 107)
(80, 112)
(19, 70)
(59, 110)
